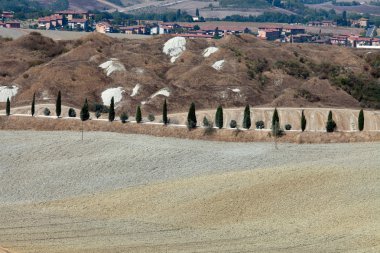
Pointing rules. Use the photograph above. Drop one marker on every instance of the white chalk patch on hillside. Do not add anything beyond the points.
(139, 71)
(112, 65)
(164, 92)
(209, 51)
(175, 47)
(143, 102)
(218, 65)
(235, 90)
(116, 93)
(135, 90)
(7, 92)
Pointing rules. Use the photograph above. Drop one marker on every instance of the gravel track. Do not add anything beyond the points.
(135, 193)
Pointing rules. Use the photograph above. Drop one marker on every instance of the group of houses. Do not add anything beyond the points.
(355, 41)
(296, 34)
(7, 20)
(73, 20)
(186, 30)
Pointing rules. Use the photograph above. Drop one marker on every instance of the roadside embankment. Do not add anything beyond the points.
(177, 131)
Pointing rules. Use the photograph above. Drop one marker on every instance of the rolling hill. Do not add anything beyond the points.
(237, 70)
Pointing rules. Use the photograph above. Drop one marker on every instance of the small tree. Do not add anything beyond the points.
(219, 117)
(138, 114)
(8, 107)
(151, 117)
(84, 113)
(303, 121)
(165, 113)
(206, 122)
(191, 117)
(111, 114)
(33, 104)
(124, 117)
(275, 120)
(361, 120)
(330, 124)
(46, 112)
(197, 12)
(233, 124)
(247, 118)
(98, 114)
(72, 113)
(58, 105)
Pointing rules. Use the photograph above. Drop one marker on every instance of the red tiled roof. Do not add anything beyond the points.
(78, 20)
(13, 22)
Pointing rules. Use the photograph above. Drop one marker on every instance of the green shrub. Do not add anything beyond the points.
(233, 124)
(151, 117)
(46, 112)
(260, 124)
(293, 68)
(124, 117)
(288, 127)
(72, 113)
(206, 122)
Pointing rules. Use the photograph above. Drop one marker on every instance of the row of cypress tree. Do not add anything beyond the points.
(191, 118)
(330, 124)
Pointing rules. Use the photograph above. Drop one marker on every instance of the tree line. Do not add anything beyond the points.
(191, 117)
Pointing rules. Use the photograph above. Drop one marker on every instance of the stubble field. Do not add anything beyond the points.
(134, 193)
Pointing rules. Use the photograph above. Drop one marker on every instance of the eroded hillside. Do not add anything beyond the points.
(233, 72)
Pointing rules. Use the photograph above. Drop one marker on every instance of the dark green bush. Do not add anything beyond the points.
(260, 124)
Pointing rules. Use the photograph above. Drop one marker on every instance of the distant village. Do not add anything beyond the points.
(85, 22)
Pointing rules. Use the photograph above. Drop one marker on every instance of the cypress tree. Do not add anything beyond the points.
(275, 118)
(111, 114)
(84, 113)
(165, 113)
(33, 104)
(219, 117)
(330, 125)
(247, 118)
(191, 117)
(58, 105)
(303, 121)
(138, 114)
(8, 107)
(197, 12)
(361, 120)
(330, 117)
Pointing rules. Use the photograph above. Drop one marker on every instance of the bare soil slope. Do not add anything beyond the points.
(254, 72)
(133, 193)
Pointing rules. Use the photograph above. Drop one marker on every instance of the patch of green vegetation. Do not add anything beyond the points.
(293, 68)
(256, 67)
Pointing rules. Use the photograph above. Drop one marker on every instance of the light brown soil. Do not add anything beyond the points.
(243, 197)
